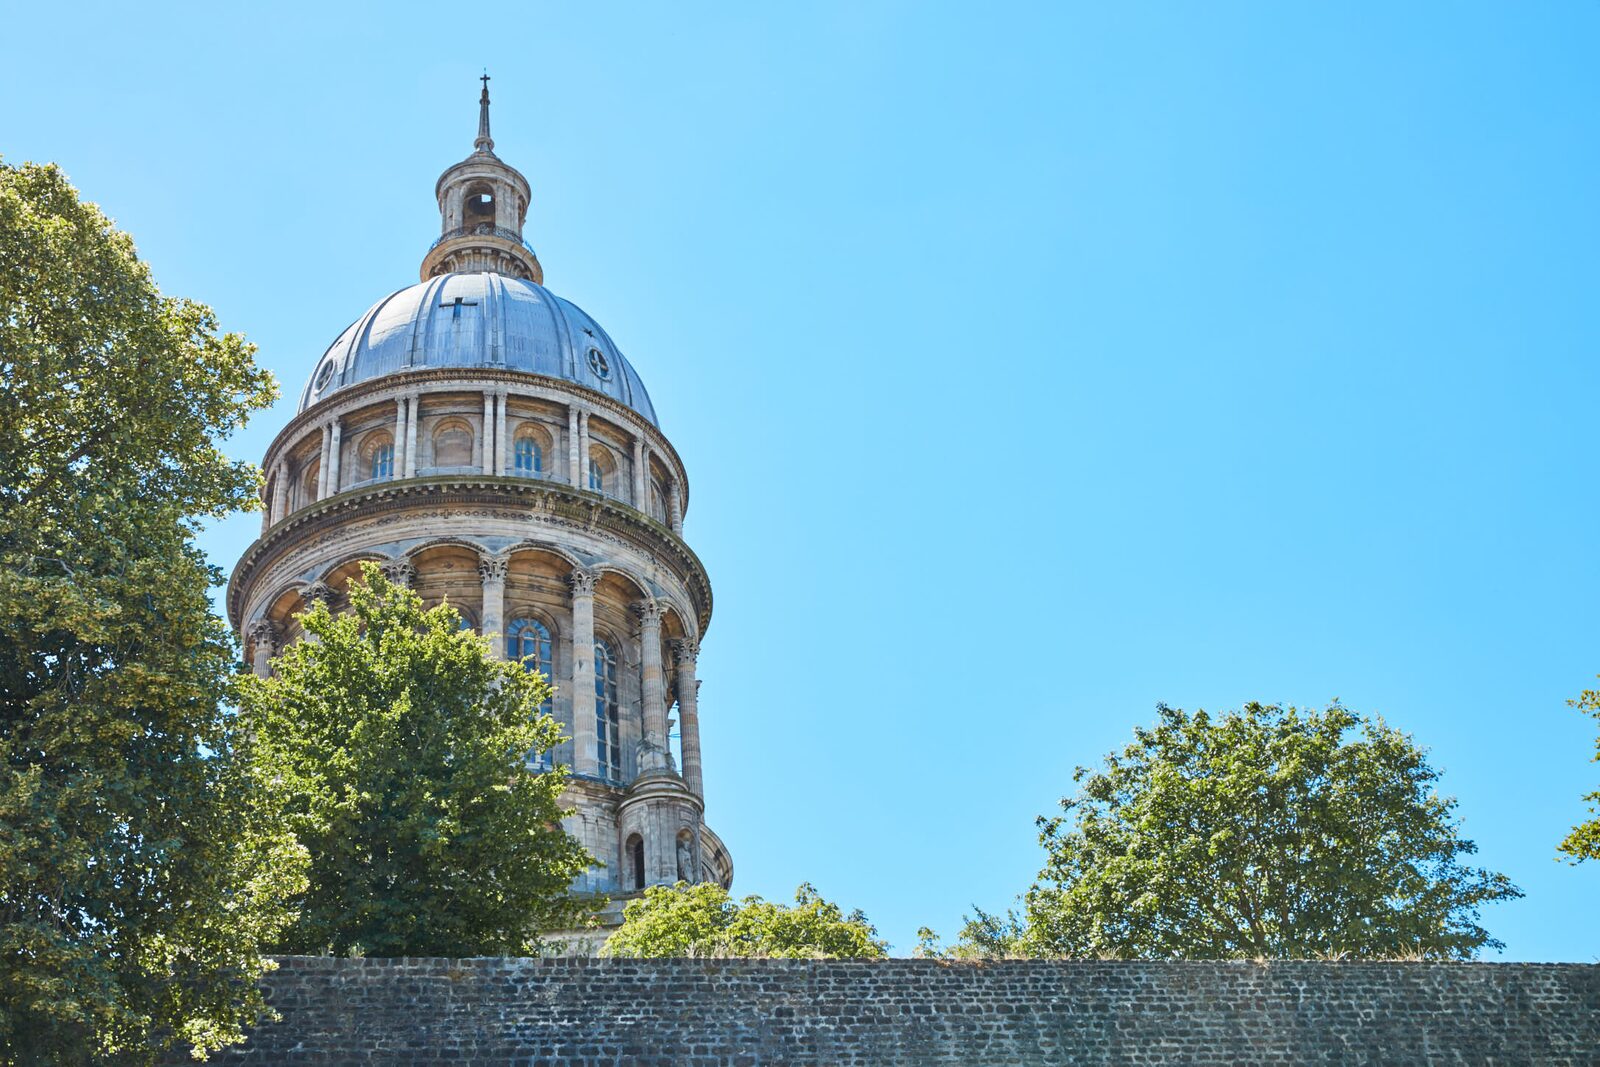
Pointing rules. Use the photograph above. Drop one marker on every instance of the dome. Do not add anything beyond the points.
(477, 320)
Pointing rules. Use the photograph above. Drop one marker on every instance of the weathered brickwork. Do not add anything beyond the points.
(743, 1013)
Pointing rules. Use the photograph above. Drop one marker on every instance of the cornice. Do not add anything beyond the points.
(372, 389)
(560, 500)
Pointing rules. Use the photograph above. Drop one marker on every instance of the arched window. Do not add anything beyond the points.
(528, 640)
(529, 456)
(383, 461)
(308, 482)
(636, 861)
(452, 443)
(607, 722)
(597, 475)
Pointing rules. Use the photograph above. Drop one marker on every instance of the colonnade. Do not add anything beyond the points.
(492, 455)
(266, 638)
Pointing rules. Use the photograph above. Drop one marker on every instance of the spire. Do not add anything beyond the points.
(484, 143)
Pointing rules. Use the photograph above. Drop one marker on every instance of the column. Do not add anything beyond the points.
(641, 479)
(485, 456)
(583, 449)
(653, 753)
(400, 572)
(686, 653)
(322, 462)
(585, 748)
(413, 416)
(264, 645)
(675, 507)
(333, 455)
(280, 492)
(500, 451)
(314, 594)
(492, 569)
(401, 409)
(574, 466)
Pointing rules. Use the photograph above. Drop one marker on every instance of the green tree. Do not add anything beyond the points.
(1269, 832)
(1583, 843)
(137, 876)
(400, 748)
(704, 921)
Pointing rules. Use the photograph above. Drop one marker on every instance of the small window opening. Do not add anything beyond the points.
(636, 861)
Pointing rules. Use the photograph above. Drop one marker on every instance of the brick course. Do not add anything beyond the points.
(743, 1013)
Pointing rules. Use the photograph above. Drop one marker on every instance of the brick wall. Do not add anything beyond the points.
(688, 1013)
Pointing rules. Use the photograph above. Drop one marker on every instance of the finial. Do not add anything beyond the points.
(484, 143)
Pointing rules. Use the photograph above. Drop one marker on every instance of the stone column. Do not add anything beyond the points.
(583, 449)
(501, 453)
(264, 645)
(314, 594)
(334, 448)
(641, 475)
(397, 469)
(280, 492)
(322, 462)
(492, 569)
(653, 752)
(485, 445)
(574, 467)
(686, 653)
(585, 745)
(400, 572)
(675, 507)
(413, 416)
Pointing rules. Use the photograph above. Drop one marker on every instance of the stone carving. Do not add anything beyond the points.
(400, 572)
(685, 651)
(492, 568)
(582, 581)
(264, 633)
(317, 593)
(686, 871)
(649, 611)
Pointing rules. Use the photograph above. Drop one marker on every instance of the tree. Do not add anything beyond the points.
(704, 921)
(400, 747)
(1583, 843)
(1269, 832)
(137, 876)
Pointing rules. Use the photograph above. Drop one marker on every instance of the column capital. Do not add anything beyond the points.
(316, 593)
(686, 651)
(264, 632)
(582, 580)
(648, 610)
(493, 568)
(400, 572)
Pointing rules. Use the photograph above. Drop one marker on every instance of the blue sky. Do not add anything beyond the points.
(1032, 364)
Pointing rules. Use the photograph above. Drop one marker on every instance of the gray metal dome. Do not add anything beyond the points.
(477, 320)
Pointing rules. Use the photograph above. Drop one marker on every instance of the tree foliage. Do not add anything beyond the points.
(136, 876)
(1270, 832)
(400, 748)
(704, 921)
(1583, 843)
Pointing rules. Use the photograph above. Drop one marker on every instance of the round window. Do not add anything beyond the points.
(598, 364)
(324, 375)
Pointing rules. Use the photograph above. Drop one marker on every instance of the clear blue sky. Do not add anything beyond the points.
(1032, 364)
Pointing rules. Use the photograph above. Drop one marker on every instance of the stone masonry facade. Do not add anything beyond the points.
(745, 1013)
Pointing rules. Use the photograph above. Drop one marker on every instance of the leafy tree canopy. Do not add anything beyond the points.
(400, 748)
(136, 877)
(1583, 843)
(704, 921)
(1269, 832)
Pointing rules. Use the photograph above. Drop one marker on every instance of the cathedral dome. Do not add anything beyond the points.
(484, 320)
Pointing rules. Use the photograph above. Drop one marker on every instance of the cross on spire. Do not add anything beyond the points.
(484, 143)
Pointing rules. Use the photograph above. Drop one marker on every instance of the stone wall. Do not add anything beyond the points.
(689, 1013)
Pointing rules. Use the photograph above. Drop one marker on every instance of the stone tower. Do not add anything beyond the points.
(486, 442)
